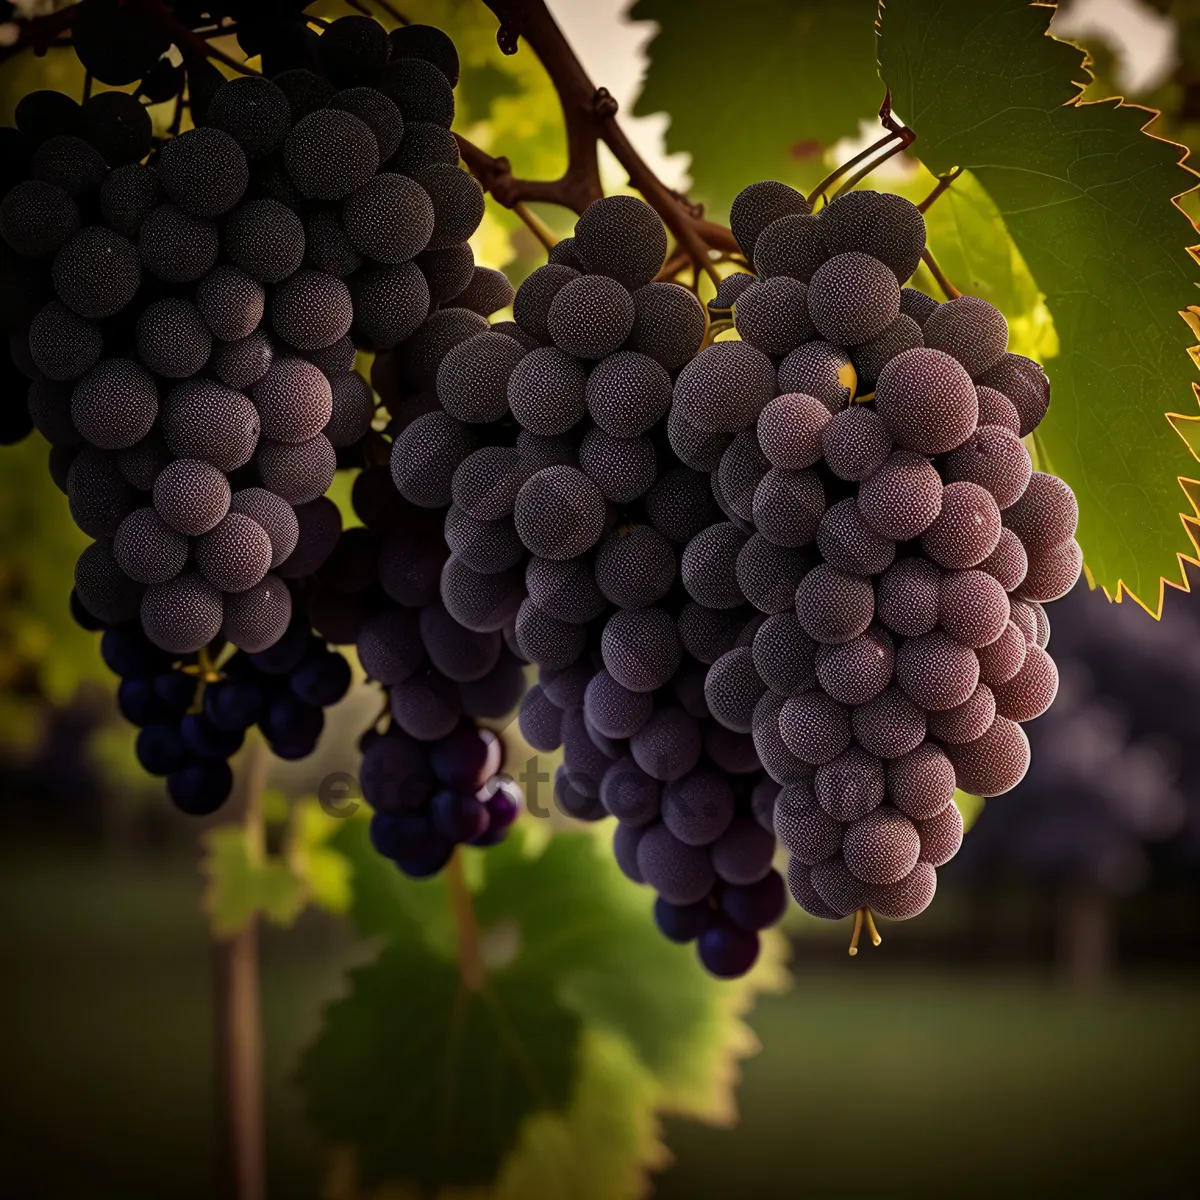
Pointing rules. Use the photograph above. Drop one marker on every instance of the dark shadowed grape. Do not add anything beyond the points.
(890, 228)
(853, 298)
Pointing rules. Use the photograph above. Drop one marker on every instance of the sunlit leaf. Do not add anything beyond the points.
(1086, 195)
(325, 872)
(971, 242)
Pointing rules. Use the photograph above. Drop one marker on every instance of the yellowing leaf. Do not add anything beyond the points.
(324, 871)
(241, 884)
(967, 235)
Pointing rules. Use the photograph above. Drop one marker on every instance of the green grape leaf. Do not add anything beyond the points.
(604, 1143)
(1086, 195)
(759, 91)
(482, 85)
(431, 1080)
(241, 883)
(573, 961)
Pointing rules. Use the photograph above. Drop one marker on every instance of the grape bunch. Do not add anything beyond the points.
(187, 314)
(431, 796)
(192, 720)
(541, 447)
(431, 773)
(788, 585)
(883, 515)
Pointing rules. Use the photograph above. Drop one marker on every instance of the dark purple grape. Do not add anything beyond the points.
(458, 816)
(160, 749)
(199, 789)
(233, 704)
(321, 680)
(204, 740)
(682, 922)
(727, 950)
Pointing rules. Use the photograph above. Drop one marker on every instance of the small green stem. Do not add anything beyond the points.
(535, 225)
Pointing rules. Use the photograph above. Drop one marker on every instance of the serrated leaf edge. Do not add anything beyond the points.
(1191, 316)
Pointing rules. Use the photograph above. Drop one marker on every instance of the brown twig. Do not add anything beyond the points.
(951, 292)
(903, 138)
(867, 168)
(589, 114)
(676, 261)
(238, 1040)
(943, 183)
(839, 171)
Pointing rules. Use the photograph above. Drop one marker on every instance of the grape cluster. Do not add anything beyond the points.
(431, 774)
(430, 796)
(187, 314)
(192, 720)
(788, 585)
(884, 517)
(543, 447)
(193, 362)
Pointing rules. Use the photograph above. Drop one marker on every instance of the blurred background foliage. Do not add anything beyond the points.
(955, 1053)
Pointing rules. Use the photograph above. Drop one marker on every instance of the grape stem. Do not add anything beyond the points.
(715, 328)
(863, 919)
(589, 114)
(470, 964)
(951, 292)
(858, 925)
(943, 184)
(536, 225)
(869, 918)
(896, 130)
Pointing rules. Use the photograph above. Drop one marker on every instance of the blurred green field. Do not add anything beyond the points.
(876, 1079)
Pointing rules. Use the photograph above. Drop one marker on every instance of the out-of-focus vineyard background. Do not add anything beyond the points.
(1034, 1031)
